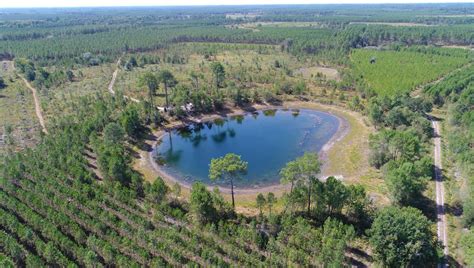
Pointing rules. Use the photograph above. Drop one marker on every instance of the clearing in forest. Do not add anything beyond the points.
(252, 67)
(389, 72)
(314, 71)
(19, 127)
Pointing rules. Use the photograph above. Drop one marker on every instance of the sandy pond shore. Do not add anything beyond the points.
(147, 160)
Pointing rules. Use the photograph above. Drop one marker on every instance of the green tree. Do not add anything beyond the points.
(467, 243)
(290, 174)
(261, 202)
(202, 205)
(70, 75)
(136, 185)
(157, 191)
(130, 121)
(168, 80)
(335, 196)
(113, 133)
(406, 181)
(223, 209)
(359, 206)
(30, 75)
(176, 190)
(335, 238)
(404, 146)
(402, 237)
(218, 72)
(113, 162)
(375, 112)
(151, 82)
(309, 168)
(468, 208)
(396, 145)
(229, 167)
(307, 246)
(300, 88)
(271, 200)
(133, 61)
(302, 173)
(117, 168)
(195, 79)
(91, 258)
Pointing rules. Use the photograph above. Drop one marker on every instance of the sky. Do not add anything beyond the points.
(95, 3)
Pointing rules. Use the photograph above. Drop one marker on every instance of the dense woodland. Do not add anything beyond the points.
(75, 199)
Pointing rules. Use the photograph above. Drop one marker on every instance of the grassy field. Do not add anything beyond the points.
(249, 66)
(88, 80)
(393, 72)
(17, 114)
(349, 156)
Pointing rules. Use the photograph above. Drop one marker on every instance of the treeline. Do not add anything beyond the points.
(400, 147)
(216, 84)
(75, 201)
(53, 34)
(455, 92)
(401, 150)
(375, 35)
(42, 78)
(338, 15)
(48, 45)
(342, 213)
(23, 34)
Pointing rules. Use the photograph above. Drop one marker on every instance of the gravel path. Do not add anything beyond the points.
(440, 209)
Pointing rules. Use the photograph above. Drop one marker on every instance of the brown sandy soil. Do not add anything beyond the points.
(352, 135)
(328, 72)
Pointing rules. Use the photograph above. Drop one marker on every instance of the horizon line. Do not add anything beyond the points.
(242, 5)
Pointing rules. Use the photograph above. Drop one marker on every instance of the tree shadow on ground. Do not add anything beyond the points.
(454, 209)
(452, 262)
(275, 102)
(427, 206)
(358, 257)
(142, 143)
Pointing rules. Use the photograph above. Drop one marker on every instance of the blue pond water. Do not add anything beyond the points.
(267, 140)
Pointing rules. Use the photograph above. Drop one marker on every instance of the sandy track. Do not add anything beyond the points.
(440, 209)
(39, 112)
(112, 83)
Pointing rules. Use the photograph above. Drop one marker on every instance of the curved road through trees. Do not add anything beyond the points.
(39, 112)
(112, 83)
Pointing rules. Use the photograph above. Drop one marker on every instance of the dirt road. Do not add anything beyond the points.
(112, 83)
(440, 209)
(39, 112)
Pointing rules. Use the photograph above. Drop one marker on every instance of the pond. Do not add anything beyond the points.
(267, 140)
